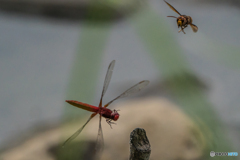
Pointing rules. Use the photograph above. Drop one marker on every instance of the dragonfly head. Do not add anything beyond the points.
(115, 115)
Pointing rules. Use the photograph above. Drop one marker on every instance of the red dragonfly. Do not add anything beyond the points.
(104, 111)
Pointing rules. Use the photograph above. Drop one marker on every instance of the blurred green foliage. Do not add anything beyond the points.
(86, 62)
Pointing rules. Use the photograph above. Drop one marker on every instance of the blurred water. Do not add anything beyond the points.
(36, 57)
(35, 60)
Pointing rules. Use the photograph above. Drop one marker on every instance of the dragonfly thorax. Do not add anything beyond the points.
(109, 114)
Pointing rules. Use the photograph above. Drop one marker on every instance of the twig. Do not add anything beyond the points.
(140, 148)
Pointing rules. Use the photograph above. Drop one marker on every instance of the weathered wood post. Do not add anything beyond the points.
(140, 148)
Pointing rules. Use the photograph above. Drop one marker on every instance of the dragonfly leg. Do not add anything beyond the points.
(109, 121)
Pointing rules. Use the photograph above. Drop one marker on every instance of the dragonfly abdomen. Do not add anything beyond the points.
(84, 106)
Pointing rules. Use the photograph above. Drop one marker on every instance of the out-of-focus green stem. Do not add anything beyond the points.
(93, 38)
(158, 39)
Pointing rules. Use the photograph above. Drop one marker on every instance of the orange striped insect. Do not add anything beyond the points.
(183, 21)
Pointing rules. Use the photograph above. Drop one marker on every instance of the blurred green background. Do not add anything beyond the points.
(48, 58)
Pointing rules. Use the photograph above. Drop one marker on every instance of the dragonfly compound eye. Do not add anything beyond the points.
(116, 116)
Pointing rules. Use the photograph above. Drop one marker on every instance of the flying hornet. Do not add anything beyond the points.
(183, 21)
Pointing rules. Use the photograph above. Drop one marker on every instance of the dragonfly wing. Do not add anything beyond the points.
(100, 142)
(107, 79)
(134, 89)
(172, 8)
(194, 27)
(84, 106)
(78, 131)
